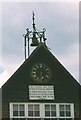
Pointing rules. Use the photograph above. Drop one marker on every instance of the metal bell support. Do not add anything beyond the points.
(35, 36)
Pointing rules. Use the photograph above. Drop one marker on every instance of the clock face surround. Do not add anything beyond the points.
(41, 72)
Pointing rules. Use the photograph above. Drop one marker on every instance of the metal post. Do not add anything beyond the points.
(28, 48)
(25, 46)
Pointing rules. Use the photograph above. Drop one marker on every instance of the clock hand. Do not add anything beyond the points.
(41, 75)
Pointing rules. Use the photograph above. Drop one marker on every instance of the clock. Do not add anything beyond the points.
(41, 72)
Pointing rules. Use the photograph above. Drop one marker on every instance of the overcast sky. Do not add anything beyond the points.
(61, 20)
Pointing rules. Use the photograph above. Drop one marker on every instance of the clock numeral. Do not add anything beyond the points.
(47, 69)
(34, 72)
(34, 75)
(46, 76)
(34, 69)
(40, 65)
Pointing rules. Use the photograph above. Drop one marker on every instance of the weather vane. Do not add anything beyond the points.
(34, 36)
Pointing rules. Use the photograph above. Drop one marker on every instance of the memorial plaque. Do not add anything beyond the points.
(37, 92)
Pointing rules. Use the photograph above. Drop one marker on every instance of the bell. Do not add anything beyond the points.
(34, 41)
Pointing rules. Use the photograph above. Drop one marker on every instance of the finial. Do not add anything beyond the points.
(33, 21)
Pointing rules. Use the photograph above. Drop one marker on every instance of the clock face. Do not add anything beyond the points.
(41, 72)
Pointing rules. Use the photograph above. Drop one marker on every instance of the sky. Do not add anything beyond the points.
(61, 20)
